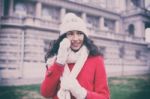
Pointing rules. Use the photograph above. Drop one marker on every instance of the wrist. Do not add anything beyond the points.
(83, 94)
(59, 63)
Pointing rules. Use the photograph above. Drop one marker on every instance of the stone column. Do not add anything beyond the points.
(142, 3)
(122, 5)
(62, 13)
(117, 26)
(101, 22)
(11, 7)
(140, 29)
(38, 9)
(84, 17)
(118, 8)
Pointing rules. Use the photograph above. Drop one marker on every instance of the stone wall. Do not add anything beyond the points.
(25, 40)
(130, 63)
(36, 42)
(10, 52)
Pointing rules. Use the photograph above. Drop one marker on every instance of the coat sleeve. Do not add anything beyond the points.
(101, 89)
(50, 83)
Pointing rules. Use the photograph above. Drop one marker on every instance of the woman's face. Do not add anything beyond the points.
(76, 38)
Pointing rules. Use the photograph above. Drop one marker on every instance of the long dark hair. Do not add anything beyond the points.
(93, 50)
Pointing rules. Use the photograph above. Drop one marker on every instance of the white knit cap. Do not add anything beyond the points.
(72, 22)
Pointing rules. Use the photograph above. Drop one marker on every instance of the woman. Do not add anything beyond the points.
(76, 69)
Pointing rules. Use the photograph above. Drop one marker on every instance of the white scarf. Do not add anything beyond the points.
(79, 59)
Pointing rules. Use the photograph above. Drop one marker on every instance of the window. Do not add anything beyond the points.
(93, 22)
(121, 52)
(24, 8)
(31, 8)
(6, 7)
(20, 9)
(102, 50)
(137, 54)
(48, 44)
(46, 13)
(50, 13)
(70, 11)
(109, 24)
(131, 29)
(136, 2)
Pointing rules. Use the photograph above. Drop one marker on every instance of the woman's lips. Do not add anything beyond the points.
(76, 44)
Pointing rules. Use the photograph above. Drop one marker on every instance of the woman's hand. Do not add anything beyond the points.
(71, 84)
(77, 90)
(63, 51)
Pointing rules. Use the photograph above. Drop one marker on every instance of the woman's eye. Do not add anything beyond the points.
(70, 33)
(80, 33)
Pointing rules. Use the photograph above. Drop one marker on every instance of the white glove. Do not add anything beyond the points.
(74, 87)
(77, 90)
(50, 61)
(63, 51)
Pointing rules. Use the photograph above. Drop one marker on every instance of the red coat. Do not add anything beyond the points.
(92, 77)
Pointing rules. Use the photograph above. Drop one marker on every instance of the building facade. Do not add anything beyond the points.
(29, 27)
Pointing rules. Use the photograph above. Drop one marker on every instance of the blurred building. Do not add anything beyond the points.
(27, 27)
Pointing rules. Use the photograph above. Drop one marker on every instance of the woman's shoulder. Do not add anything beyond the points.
(96, 57)
(95, 61)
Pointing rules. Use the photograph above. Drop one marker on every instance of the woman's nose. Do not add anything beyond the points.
(75, 37)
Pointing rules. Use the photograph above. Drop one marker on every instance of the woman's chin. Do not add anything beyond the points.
(75, 49)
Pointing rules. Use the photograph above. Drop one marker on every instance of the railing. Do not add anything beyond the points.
(143, 11)
(134, 10)
(11, 20)
(29, 21)
(96, 4)
(117, 36)
(50, 24)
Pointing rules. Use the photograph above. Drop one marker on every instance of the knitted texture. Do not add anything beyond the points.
(72, 22)
(68, 79)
